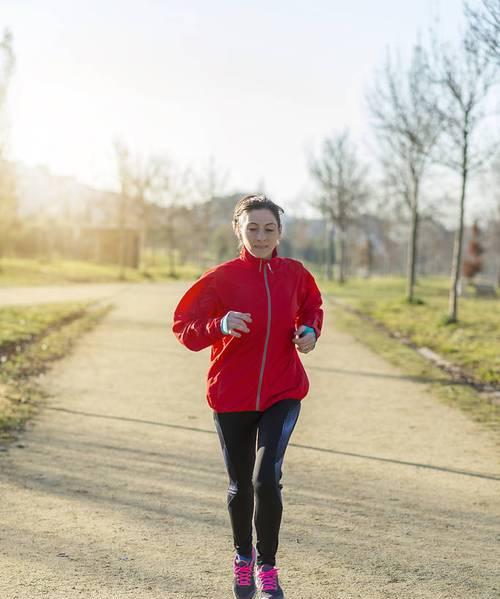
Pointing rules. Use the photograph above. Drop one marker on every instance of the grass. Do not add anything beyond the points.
(30, 339)
(473, 343)
(21, 271)
(451, 392)
(375, 312)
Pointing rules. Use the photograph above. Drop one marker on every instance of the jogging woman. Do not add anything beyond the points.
(255, 312)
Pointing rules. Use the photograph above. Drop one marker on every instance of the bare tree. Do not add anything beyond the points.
(140, 180)
(172, 196)
(407, 127)
(209, 184)
(7, 178)
(124, 178)
(7, 64)
(341, 181)
(484, 24)
(464, 78)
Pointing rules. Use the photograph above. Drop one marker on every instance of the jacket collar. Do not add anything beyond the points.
(252, 260)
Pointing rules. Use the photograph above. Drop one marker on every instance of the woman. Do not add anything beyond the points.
(255, 312)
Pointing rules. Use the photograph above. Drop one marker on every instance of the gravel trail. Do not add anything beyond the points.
(118, 487)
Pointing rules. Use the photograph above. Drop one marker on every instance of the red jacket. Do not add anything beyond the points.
(261, 367)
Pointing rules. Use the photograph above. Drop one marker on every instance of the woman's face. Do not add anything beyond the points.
(259, 232)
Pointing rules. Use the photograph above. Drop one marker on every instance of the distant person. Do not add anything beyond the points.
(255, 312)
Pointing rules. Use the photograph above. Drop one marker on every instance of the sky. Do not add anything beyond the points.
(255, 86)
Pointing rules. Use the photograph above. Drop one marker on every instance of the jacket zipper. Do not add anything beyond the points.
(268, 333)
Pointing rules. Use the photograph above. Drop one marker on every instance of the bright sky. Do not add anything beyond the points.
(253, 84)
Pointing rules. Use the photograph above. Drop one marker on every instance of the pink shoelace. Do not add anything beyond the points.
(243, 574)
(269, 579)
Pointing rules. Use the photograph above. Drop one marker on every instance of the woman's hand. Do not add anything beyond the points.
(306, 343)
(236, 321)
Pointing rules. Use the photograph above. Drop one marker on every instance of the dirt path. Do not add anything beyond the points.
(119, 489)
(42, 294)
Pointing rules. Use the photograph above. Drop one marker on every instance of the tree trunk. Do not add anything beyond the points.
(457, 246)
(342, 256)
(329, 249)
(171, 263)
(412, 252)
(369, 258)
(141, 245)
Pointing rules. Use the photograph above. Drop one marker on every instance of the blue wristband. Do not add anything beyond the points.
(308, 330)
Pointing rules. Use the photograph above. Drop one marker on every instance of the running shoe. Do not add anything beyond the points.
(244, 577)
(268, 583)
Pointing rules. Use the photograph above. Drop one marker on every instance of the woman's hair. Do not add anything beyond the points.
(255, 202)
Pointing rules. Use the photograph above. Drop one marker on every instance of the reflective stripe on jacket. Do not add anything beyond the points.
(263, 366)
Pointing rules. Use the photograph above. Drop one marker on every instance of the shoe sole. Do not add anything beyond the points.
(249, 596)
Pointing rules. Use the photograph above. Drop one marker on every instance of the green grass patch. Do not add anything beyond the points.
(30, 339)
(420, 370)
(19, 271)
(473, 343)
(20, 325)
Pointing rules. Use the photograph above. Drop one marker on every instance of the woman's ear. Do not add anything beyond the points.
(236, 230)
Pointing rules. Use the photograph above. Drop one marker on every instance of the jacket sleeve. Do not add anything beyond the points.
(310, 312)
(197, 317)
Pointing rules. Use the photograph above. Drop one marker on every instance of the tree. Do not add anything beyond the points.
(121, 154)
(8, 198)
(210, 182)
(172, 197)
(366, 257)
(407, 127)
(484, 25)
(340, 179)
(7, 64)
(140, 182)
(463, 77)
(8, 205)
(209, 185)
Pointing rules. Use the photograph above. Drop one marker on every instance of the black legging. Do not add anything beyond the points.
(256, 472)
